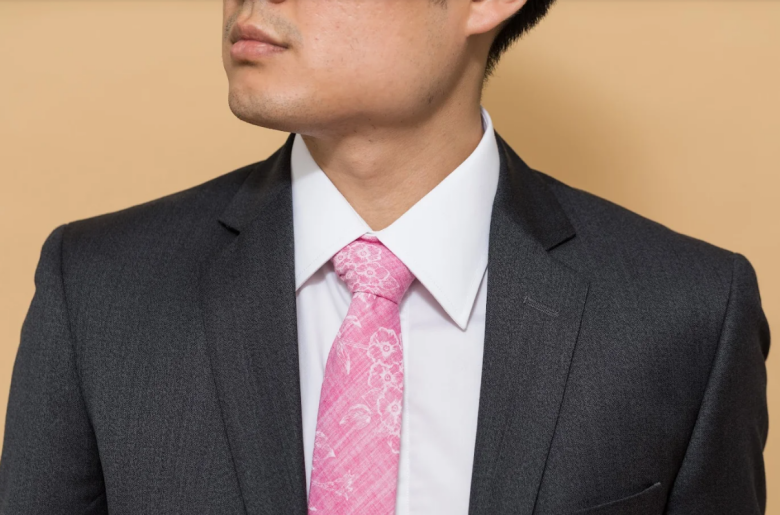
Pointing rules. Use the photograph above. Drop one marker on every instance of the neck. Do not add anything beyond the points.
(383, 171)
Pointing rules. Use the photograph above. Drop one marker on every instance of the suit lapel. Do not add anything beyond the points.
(534, 308)
(249, 313)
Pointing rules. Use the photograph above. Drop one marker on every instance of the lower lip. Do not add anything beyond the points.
(250, 49)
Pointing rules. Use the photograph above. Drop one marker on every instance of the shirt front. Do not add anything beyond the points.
(443, 240)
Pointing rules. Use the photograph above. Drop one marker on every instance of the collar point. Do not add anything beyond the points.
(461, 321)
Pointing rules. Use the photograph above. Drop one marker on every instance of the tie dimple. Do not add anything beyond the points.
(358, 436)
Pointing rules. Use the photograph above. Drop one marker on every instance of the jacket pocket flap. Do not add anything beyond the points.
(646, 502)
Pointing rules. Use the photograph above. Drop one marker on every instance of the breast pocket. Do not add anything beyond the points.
(649, 501)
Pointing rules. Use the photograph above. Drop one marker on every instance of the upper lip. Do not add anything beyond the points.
(253, 32)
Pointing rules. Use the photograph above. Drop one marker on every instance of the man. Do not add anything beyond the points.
(390, 314)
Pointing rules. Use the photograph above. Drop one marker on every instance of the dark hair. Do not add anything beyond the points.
(522, 21)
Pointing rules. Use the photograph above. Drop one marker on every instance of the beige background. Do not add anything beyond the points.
(670, 108)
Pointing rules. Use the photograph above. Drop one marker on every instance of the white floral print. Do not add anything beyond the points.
(389, 408)
(365, 252)
(341, 343)
(385, 346)
(322, 449)
(358, 415)
(341, 486)
(382, 375)
(371, 277)
(359, 422)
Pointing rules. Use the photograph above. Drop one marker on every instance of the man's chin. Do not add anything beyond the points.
(255, 110)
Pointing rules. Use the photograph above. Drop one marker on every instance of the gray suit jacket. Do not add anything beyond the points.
(624, 366)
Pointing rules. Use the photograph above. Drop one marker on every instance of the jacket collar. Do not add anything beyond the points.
(537, 209)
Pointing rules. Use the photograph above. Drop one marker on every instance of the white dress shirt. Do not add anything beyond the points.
(443, 240)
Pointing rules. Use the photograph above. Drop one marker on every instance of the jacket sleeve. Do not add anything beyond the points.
(49, 462)
(723, 468)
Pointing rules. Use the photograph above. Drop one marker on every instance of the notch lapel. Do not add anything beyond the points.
(534, 308)
(249, 313)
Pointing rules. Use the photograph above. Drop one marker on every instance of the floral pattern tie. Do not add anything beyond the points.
(358, 436)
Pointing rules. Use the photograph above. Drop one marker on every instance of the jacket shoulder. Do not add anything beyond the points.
(164, 216)
(636, 263)
(602, 223)
(159, 242)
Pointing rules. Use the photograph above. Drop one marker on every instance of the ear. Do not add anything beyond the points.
(489, 15)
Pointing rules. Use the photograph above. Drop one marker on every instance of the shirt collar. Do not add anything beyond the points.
(442, 239)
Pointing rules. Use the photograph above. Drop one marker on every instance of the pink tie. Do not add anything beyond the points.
(358, 437)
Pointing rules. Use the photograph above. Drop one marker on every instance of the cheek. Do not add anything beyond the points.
(366, 56)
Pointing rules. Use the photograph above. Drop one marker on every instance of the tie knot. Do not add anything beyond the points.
(366, 265)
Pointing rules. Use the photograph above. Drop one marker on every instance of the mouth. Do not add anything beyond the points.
(250, 42)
